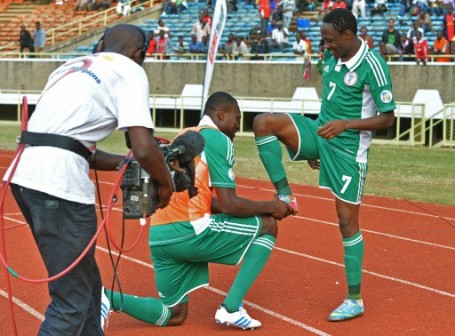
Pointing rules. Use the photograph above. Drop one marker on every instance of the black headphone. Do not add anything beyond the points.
(144, 45)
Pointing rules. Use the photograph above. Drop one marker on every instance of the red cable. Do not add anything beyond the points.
(3, 257)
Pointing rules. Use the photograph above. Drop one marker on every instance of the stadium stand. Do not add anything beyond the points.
(59, 19)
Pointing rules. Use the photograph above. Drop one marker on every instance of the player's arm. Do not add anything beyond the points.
(378, 122)
(148, 154)
(231, 204)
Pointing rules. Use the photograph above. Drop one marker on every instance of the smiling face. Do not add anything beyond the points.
(335, 42)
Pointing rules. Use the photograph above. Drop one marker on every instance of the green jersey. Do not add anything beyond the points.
(356, 89)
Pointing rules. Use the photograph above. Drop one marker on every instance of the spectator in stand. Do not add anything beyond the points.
(423, 6)
(279, 37)
(311, 6)
(26, 42)
(163, 45)
(206, 17)
(270, 28)
(424, 21)
(391, 39)
(412, 32)
(228, 47)
(405, 7)
(201, 28)
(152, 44)
(264, 14)
(39, 36)
(232, 6)
(420, 48)
(339, 4)
(181, 47)
(299, 47)
(259, 46)
(277, 13)
(406, 48)
(358, 5)
(101, 4)
(123, 7)
(205, 44)
(327, 6)
(437, 7)
(367, 38)
(448, 27)
(441, 47)
(446, 4)
(379, 8)
(169, 7)
(162, 27)
(241, 48)
(288, 11)
(195, 46)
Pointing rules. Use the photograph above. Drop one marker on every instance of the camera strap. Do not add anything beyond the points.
(55, 140)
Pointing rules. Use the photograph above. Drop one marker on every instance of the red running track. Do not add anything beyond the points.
(408, 278)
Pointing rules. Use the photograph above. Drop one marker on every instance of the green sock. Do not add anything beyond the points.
(271, 156)
(353, 257)
(253, 263)
(147, 309)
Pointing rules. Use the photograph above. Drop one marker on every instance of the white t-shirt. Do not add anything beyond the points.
(86, 98)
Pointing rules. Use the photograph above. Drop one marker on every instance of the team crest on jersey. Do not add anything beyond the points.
(231, 174)
(386, 96)
(326, 68)
(350, 78)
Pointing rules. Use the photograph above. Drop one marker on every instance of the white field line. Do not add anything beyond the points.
(24, 306)
(329, 199)
(222, 293)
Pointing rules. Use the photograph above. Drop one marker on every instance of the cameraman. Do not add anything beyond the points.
(84, 101)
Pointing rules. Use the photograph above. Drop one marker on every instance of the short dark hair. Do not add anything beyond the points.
(218, 100)
(342, 20)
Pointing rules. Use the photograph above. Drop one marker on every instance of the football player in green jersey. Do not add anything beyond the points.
(356, 99)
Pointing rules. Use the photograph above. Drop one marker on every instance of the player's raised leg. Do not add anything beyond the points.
(269, 131)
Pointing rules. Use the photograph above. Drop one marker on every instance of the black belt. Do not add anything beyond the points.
(55, 140)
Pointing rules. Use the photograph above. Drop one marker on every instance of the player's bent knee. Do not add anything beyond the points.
(269, 226)
(179, 314)
(260, 123)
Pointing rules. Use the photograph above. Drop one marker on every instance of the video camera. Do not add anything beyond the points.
(140, 193)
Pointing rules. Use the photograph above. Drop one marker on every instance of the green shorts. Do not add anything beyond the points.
(339, 170)
(182, 266)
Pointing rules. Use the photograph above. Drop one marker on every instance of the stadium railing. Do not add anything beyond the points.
(411, 128)
(446, 119)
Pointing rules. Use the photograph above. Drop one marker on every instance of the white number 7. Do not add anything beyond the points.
(346, 180)
(333, 86)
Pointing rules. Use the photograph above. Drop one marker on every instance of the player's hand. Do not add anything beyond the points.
(314, 164)
(281, 209)
(333, 128)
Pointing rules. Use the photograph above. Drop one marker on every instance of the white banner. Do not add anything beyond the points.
(218, 23)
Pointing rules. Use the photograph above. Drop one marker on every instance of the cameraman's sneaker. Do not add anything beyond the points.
(291, 200)
(347, 310)
(105, 308)
(239, 319)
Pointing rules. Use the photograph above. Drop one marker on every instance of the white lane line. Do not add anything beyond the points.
(427, 214)
(220, 292)
(418, 213)
(24, 306)
(381, 234)
(382, 276)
